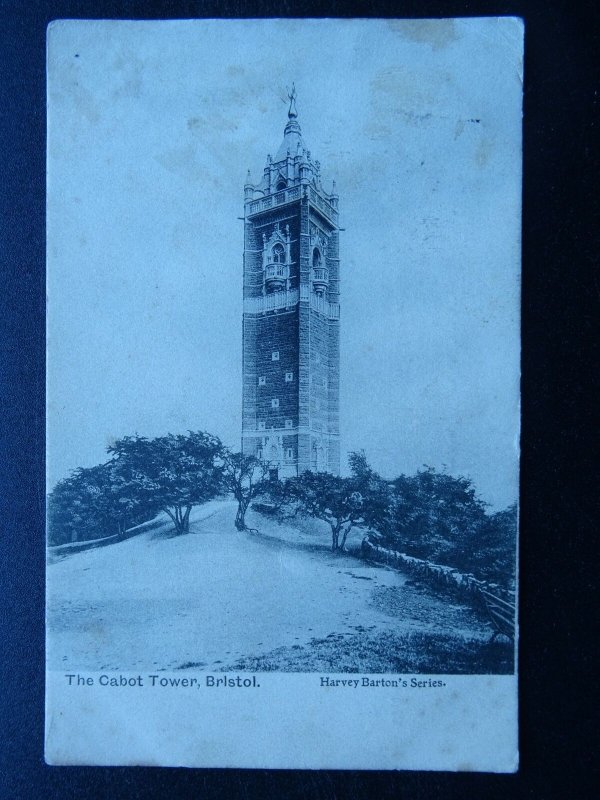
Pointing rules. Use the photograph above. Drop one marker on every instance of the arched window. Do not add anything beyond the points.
(316, 257)
(281, 185)
(278, 254)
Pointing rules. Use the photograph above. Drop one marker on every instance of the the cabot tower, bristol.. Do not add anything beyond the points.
(290, 415)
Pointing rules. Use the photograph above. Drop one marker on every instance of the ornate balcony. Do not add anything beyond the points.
(275, 277)
(320, 279)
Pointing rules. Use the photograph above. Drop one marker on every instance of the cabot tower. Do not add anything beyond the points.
(291, 323)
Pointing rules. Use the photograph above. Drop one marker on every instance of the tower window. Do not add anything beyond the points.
(259, 453)
(281, 185)
(261, 425)
(278, 254)
(275, 355)
(289, 377)
(262, 380)
(275, 402)
(289, 454)
(288, 423)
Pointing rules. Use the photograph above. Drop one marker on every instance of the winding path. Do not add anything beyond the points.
(213, 596)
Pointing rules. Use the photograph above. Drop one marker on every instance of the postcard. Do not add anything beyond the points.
(283, 290)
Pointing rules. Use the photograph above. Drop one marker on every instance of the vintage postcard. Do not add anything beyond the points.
(283, 393)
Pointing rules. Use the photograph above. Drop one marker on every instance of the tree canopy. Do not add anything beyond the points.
(429, 515)
(172, 473)
(434, 514)
(341, 502)
(94, 502)
(244, 477)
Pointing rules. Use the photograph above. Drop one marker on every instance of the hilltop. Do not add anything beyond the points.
(218, 599)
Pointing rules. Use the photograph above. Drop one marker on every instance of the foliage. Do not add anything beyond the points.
(493, 556)
(341, 502)
(68, 513)
(244, 476)
(92, 503)
(172, 473)
(438, 517)
(375, 491)
(429, 515)
(434, 516)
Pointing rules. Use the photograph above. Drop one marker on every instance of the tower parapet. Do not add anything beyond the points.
(292, 168)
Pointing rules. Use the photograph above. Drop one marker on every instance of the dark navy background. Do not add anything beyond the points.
(560, 366)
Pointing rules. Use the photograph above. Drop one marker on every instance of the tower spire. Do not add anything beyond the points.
(292, 111)
(292, 135)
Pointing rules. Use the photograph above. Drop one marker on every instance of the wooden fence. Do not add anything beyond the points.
(57, 551)
(497, 602)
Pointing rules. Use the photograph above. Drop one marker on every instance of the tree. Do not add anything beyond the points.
(125, 504)
(103, 513)
(244, 476)
(493, 555)
(375, 491)
(67, 511)
(91, 503)
(435, 516)
(172, 473)
(323, 496)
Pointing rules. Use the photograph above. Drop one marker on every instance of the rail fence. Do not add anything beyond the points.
(55, 551)
(498, 603)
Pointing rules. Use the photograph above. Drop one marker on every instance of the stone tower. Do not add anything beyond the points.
(291, 321)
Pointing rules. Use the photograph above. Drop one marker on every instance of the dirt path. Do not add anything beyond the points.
(215, 596)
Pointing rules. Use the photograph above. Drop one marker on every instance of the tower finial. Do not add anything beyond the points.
(292, 112)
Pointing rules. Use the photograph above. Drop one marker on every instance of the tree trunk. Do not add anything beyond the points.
(240, 517)
(344, 537)
(335, 537)
(185, 525)
(176, 517)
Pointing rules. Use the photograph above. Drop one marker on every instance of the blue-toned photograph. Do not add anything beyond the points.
(283, 346)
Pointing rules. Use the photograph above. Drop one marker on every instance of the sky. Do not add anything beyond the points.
(152, 127)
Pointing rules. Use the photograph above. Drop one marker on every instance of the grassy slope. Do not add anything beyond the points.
(278, 599)
(366, 652)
